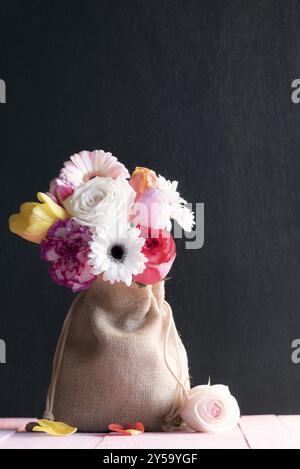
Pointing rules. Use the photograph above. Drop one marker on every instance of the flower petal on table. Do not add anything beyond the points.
(54, 428)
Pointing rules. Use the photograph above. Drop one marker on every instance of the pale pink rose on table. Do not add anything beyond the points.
(211, 409)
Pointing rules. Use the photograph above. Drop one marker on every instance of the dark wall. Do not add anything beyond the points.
(201, 92)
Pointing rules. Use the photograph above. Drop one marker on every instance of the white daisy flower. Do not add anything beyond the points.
(116, 251)
(178, 210)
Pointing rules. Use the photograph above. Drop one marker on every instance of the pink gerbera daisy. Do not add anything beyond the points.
(81, 168)
(86, 165)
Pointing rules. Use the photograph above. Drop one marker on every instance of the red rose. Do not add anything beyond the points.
(160, 250)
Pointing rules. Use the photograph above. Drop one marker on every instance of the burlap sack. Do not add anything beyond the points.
(119, 359)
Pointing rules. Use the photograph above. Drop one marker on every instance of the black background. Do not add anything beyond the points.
(201, 92)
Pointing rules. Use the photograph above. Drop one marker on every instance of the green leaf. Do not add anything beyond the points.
(140, 285)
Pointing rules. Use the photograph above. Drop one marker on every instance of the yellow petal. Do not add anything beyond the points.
(42, 213)
(17, 223)
(54, 428)
(57, 211)
(38, 231)
(41, 227)
(27, 208)
(19, 226)
(134, 432)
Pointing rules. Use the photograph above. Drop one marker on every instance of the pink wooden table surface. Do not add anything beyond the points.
(253, 432)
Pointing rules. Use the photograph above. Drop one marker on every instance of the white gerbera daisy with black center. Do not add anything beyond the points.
(116, 252)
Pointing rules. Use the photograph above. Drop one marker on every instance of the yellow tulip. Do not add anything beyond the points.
(35, 219)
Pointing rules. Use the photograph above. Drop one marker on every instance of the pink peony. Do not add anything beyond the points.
(67, 247)
(151, 209)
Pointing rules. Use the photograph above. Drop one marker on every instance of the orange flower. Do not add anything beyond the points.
(143, 178)
(131, 429)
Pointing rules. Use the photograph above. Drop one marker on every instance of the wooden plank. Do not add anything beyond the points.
(42, 441)
(15, 423)
(267, 432)
(260, 432)
(5, 434)
(176, 440)
(292, 424)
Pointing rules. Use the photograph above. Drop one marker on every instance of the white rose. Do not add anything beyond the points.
(210, 409)
(99, 200)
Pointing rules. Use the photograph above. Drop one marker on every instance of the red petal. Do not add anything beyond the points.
(139, 426)
(135, 426)
(149, 276)
(129, 426)
(115, 427)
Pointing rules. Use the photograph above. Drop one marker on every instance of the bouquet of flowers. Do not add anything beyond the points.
(96, 220)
